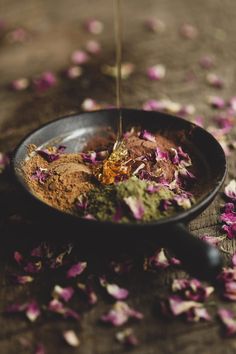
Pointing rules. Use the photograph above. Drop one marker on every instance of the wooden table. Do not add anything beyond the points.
(55, 30)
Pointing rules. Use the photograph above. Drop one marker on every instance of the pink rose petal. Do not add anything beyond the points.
(227, 318)
(120, 314)
(230, 190)
(127, 337)
(79, 57)
(63, 293)
(71, 338)
(156, 72)
(76, 269)
(136, 206)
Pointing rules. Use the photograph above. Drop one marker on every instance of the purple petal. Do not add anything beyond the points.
(230, 230)
(158, 260)
(145, 135)
(40, 174)
(198, 313)
(63, 293)
(230, 190)
(179, 306)
(58, 307)
(76, 269)
(79, 57)
(227, 318)
(94, 26)
(216, 102)
(136, 206)
(33, 267)
(234, 259)
(117, 292)
(161, 155)
(214, 80)
(120, 313)
(73, 72)
(32, 311)
(48, 156)
(212, 240)
(44, 82)
(93, 47)
(156, 72)
(153, 105)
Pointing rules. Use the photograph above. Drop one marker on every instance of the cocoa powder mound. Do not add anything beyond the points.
(68, 177)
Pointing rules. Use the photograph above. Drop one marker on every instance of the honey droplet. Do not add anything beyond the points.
(116, 166)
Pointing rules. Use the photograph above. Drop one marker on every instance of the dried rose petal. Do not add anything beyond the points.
(73, 72)
(63, 293)
(230, 190)
(45, 81)
(4, 161)
(94, 26)
(90, 157)
(156, 72)
(153, 105)
(136, 206)
(76, 269)
(188, 31)
(32, 311)
(114, 290)
(20, 84)
(58, 307)
(179, 306)
(234, 259)
(18, 257)
(199, 120)
(229, 214)
(196, 314)
(22, 279)
(120, 314)
(89, 105)
(230, 230)
(227, 318)
(41, 174)
(212, 240)
(33, 267)
(158, 260)
(207, 62)
(154, 24)
(71, 338)
(216, 102)
(145, 135)
(192, 289)
(79, 57)
(18, 35)
(93, 47)
(214, 80)
(127, 337)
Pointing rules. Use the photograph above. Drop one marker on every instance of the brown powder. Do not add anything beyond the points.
(68, 178)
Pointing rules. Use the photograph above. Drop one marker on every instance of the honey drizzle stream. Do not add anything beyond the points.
(118, 41)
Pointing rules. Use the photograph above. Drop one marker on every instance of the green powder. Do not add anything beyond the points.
(104, 201)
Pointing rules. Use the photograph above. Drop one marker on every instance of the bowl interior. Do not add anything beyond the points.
(76, 131)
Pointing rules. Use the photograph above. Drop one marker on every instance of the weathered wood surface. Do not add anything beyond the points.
(56, 32)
